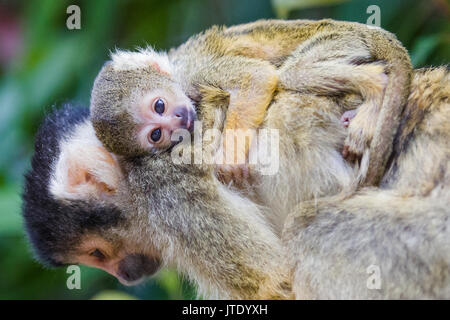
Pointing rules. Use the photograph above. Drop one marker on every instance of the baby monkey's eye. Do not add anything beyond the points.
(155, 135)
(98, 254)
(159, 106)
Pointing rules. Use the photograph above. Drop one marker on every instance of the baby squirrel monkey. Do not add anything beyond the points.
(154, 93)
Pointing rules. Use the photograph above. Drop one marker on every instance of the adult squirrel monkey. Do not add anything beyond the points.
(131, 217)
(140, 98)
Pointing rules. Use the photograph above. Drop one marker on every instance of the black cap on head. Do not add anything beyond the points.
(54, 227)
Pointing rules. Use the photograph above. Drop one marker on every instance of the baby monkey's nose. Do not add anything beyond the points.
(181, 112)
(185, 117)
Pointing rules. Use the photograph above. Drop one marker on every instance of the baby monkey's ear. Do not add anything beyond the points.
(85, 169)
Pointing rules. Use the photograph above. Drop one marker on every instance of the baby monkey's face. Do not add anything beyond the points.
(137, 107)
(160, 114)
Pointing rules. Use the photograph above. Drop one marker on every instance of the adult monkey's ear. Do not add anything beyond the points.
(84, 168)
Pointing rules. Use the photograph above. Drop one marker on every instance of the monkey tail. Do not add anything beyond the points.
(392, 107)
(388, 120)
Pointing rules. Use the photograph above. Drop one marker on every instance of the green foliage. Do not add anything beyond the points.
(55, 64)
(283, 7)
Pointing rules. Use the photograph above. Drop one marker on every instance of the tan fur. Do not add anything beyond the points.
(188, 220)
(323, 57)
(332, 241)
(311, 166)
(403, 227)
(231, 247)
(250, 61)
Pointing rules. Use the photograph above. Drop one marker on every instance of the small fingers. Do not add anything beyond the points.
(347, 116)
(236, 175)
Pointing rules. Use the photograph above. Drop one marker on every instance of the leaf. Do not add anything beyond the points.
(168, 279)
(113, 295)
(10, 217)
(283, 7)
(423, 48)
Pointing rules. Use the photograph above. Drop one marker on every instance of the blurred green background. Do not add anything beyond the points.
(42, 64)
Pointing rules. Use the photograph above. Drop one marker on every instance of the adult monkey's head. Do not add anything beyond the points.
(129, 216)
(71, 199)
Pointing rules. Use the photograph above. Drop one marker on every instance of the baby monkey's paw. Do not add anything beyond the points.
(347, 117)
(361, 122)
(359, 137)
(353, 146)
(237, 175)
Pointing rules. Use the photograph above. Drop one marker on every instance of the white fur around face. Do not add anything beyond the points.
(129, 60)
(80, 153)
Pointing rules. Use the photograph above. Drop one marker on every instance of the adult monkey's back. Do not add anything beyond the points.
(392, 242)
